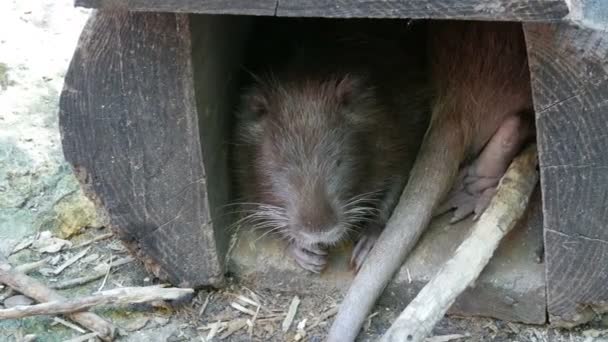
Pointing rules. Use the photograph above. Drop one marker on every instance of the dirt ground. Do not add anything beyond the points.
(236, 313)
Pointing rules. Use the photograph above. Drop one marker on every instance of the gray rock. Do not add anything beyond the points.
(17, 300)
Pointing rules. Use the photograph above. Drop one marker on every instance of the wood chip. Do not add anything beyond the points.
(247, 300)
(233, 327)
(215, 328)
(324, 317)
(513, 327)
(90, 258)
(368, 324)
(242, 309)
(445, 338)
(71, 261)
(25, 243)
(291, 314)
(46, 243)
(105, 278)
(301, 330)
(205, 303)
(70, 325)
(82, 338)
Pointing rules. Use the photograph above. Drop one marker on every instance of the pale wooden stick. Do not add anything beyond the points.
(83, 338)
(87, 279)
(119, 296)
(32, 266)
(37, 290)
(507, 206)
(70, 261)
(93, 240)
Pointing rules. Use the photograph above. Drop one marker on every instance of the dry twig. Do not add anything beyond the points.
(89, 278)
(507, 206)
(70, 261)
(32, 266)
(93, 240)
(35, 289)
(119, 296)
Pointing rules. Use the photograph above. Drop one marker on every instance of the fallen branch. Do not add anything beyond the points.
(507, 206)
(119, 296)
(38, 291)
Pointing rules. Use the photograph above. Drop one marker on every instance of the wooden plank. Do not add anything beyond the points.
(246, 7)
(524, 10)
(463, 9)
(569, 67)
(130, 128)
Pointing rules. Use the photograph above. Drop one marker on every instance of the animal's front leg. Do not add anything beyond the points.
(476, 183)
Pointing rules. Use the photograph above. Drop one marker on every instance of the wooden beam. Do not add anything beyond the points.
(519, 10)
(246, 7)
(569, 68)
(129, 117)
(522, 10)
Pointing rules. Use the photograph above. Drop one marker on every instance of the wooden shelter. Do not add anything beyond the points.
(149, 76)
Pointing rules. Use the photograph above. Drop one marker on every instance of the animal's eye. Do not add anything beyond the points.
(338, 162)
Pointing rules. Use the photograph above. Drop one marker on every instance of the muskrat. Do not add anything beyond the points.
(481, 117)
(326, 140)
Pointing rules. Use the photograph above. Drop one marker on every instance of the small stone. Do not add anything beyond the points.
(17, 300)
(29, 338)
(161, 320)
(136, 324)
(604, 321)
(509, 301)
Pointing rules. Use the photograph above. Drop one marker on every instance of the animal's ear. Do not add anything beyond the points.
(347, 88)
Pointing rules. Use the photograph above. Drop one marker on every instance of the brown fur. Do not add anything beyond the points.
(327, 140)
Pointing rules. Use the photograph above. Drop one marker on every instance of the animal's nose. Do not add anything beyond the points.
(315, 212)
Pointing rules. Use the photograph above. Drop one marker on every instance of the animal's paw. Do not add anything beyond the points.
(361, 250)
(310, 258)
(476, 183)
(471, 195)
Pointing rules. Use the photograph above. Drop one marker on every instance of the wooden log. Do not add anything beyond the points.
(463, 9)
(148, 142)
(418, 319)
(569, 73)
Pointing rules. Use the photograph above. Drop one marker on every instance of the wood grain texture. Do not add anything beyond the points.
(463, 9)
(247, 7)
(130, 128)
(569, 67)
